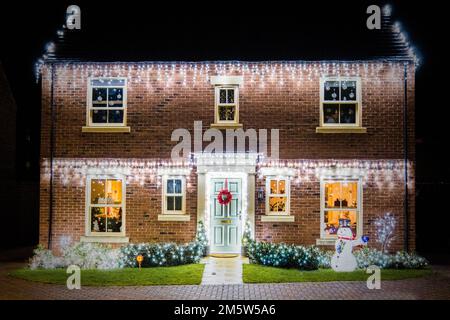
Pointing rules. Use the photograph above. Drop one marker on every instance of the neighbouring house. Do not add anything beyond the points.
(8, 159)
(18, 194)
(335, 140)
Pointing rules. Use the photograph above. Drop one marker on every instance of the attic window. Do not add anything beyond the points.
(106, 102)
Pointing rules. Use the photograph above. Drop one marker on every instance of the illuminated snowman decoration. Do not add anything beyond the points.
(343, 259)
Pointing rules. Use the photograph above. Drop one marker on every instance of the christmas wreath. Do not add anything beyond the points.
(224, 195)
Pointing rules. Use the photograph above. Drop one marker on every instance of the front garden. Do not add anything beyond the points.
(170, 263)
(177, 275)
(253, 273)
(131, 264)
(279, 262)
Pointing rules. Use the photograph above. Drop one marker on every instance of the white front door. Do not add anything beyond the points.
(226, 219)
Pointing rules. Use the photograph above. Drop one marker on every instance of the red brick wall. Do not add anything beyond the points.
(305, 206)
(143, 204)
(155, 110)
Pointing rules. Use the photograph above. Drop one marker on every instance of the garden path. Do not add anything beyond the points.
(223, 270)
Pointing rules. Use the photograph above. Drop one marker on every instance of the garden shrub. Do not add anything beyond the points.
(201, 238)
(97, 256)
(154, 254)
(405, 260)
(84, 255)
(284, 255)
(400, 260)
(44, 259)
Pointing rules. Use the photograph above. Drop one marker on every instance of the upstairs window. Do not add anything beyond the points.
(227, 105)
(107, 102)
(340, 102)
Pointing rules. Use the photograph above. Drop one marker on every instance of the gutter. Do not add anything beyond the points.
(405, 150)
(52, 148)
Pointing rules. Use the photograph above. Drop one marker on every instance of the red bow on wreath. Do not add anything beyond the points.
(224, 195)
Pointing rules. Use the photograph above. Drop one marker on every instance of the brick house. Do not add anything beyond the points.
(345, 147)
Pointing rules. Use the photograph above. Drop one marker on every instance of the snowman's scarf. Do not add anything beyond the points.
(346, 238)
(342, 243)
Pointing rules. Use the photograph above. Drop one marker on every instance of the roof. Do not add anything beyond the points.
(303, 39)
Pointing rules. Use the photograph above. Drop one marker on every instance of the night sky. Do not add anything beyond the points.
(270, 29)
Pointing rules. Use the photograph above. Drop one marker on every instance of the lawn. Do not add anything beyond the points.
(185, 274)
(253, 273)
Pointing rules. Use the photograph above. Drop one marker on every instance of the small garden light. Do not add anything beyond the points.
(139, 260)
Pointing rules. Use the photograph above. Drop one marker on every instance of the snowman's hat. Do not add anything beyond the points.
(344, 223)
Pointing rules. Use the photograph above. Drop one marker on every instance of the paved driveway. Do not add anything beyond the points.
(436, 286)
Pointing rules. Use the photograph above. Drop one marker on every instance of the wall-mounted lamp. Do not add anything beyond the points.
(261, 194)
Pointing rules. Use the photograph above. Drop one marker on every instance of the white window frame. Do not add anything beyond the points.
(88, 231)
(182, 194)
(287, 194)
(357, 101)
(217, 89)
(359, 208)
(89, 107)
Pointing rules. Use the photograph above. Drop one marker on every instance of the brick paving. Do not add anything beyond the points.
(436, 286)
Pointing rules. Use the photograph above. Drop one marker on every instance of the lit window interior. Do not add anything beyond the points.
(106, 205)
(278, 196)
(341, 202)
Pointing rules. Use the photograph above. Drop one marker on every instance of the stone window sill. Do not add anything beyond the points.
(105, 239)
(277, 218)
(341, 129)
(105, 129)
(174, 217)
(226, 125)
(325, 242)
